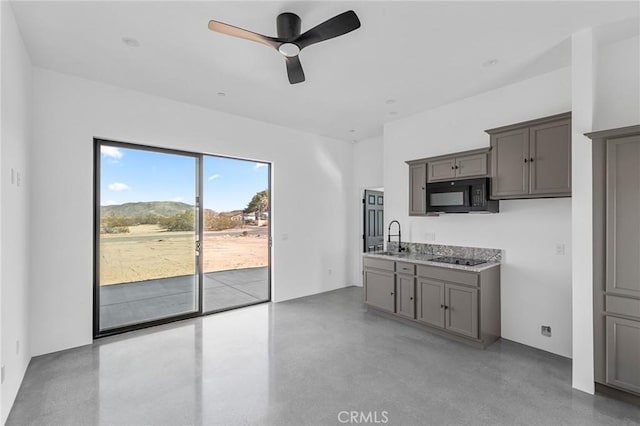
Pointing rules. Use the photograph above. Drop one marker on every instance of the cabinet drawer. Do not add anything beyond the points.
(623, 306)
(405, 268)
(449, 275)
(385, 265)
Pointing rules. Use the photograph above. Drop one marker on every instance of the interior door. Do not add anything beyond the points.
(373, 236)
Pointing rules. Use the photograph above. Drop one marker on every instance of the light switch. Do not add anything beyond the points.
(560, 248)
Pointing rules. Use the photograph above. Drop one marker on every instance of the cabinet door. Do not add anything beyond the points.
(417, 189)
(623, 353)
(430, 302)
(472, 165)
(461, 309)
(405, 296)
(623, 211)
(509, 170)
(442, 170)
(550, 158)
(379, 289)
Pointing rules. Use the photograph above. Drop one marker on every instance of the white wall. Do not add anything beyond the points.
(367, 174)
(311, 192)
(536, 283)
(617, 88)
(14, 199)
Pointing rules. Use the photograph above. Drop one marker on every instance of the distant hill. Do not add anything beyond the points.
(159, 208)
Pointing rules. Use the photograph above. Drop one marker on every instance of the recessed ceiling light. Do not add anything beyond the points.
(490, 62)
(352, 131)
(221, 94)
(390, 101)
(131, 42)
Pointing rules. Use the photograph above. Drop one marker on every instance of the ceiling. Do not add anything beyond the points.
(406, 57)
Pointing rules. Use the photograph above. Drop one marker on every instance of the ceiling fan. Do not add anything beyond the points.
(289, 41)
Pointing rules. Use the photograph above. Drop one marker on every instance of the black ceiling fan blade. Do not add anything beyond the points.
(221, 27)
(334, 27)
(294, 69)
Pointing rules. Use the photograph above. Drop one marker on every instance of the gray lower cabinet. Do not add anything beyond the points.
(406, 296)
(430, 302)
(461, 309)
(532, 159)
(455, 301)
(623, 353)
(380, 289)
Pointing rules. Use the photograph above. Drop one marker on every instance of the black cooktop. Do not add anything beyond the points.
(458, 261)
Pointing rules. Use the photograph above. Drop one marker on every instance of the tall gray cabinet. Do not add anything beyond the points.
(616, 155)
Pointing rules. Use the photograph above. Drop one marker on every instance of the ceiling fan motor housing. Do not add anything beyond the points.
(288, 26)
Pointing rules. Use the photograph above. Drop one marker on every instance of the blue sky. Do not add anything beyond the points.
(129, 175)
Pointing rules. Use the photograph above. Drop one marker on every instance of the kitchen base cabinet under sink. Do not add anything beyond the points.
(453, 302)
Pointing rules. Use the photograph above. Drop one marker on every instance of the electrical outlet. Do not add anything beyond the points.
(560, 249)
(545, 330)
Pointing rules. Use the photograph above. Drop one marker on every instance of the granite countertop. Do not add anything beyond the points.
(425, 259)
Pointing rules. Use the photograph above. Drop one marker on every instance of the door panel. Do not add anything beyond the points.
(623, 211)
(405, 298)
(509, 170)
(623, 353)
(373, 220)
(379, 289)
(472, 165)
(430, 302)
(550, 158)
(417, 189)
(461, 311)
(441, 170)
(147, 263)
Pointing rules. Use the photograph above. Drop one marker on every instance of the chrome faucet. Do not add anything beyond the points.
(399, 235)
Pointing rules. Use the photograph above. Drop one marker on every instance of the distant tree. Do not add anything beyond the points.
(180, 222)
(113, 224)
(259, 203)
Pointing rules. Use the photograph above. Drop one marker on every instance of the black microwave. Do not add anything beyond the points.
(461, 196)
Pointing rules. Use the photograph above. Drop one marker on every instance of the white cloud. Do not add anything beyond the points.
(259, 166)
(177, 199)
(111, 152)
(118, 186)
(212, 177)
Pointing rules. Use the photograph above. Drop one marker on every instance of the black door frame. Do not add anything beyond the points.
(97, 143)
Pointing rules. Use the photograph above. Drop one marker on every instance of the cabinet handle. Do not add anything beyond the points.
(457, 167)
(423, 188)
(531, 160)
(453, 167)
(411, 298)
(525, 160)
(392, 293)
(441, 306)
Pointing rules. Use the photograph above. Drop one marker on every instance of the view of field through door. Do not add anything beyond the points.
(177, 235)
(235, 244)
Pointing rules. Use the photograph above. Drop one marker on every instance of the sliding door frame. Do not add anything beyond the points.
(199, 223)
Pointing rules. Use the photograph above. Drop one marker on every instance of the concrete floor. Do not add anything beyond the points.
(304, 362)
(133, 303)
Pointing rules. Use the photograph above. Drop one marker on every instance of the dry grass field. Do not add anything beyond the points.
(148, 252)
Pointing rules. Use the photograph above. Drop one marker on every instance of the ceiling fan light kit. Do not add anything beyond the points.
(289, 41)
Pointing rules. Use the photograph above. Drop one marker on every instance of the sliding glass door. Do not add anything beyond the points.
(236, 233)
(160, 253)
(148, 235)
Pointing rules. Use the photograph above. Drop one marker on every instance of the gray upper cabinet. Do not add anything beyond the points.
(458, 166)
(417, 189)
(532, 159)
